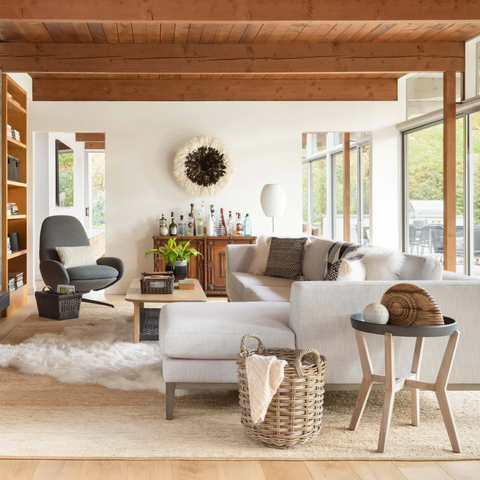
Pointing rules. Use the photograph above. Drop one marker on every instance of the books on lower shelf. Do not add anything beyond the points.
(15, 280)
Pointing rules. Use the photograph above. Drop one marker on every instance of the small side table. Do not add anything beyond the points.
(393, 385)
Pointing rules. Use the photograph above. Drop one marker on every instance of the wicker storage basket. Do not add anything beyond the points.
(56, 306)
(294, 416)
(157, 283)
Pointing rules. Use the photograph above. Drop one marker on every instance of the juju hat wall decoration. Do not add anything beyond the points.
(203, 166)
(411, 305)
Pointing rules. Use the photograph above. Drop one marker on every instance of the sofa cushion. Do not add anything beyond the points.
(239, 281)
(214, 330)
(92, 272)
(267, 294)
(417, 267)
(315, 257)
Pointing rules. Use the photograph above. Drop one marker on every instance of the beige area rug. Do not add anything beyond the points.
(43, 418)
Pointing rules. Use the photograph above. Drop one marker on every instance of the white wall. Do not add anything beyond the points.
(264, 139)
(44, 161)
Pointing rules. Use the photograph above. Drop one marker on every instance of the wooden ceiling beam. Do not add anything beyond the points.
(232, 59)
(89, 137)
(94, 145)
(221, 11)
(214, 90)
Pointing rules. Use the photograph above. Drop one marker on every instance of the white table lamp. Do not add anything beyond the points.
(273, 201)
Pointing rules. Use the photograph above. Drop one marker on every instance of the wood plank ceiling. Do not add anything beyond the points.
(254, 33)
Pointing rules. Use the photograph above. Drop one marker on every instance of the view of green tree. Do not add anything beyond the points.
(425, 164)
(98, 189)
(65, 179)
(476, 166)
(305, 192)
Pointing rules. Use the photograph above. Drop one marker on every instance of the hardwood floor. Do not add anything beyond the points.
(235, 470)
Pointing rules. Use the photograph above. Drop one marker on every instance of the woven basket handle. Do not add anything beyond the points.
(244, 349)
(302, 353)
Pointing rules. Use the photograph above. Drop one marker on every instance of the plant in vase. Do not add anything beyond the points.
(175, 256)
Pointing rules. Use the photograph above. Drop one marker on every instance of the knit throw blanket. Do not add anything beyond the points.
(336, 252)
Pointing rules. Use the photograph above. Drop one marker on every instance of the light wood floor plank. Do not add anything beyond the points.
(377, 471)
(103, 470)
(149, 470)
(340, 470)
(240, 470)
(422, 470)
(61, 469)
(195, 470)
(278, 470)
(17, 469)
(466, 470)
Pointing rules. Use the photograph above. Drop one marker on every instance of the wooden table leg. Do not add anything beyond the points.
(367, 382)
(137, 306)
(441, 391)
(415, 392)
(389, 392)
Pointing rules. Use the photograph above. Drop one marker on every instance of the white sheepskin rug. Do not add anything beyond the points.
(101, 353)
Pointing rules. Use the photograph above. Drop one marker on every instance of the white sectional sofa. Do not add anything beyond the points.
(199, 343)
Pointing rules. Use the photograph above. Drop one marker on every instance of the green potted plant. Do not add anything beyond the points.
(176, 256)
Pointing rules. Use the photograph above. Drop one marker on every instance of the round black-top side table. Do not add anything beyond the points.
(393, 385)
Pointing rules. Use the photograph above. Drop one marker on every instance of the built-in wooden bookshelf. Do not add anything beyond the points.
(14, 113)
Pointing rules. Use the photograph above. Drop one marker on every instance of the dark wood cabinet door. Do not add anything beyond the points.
(216, 263)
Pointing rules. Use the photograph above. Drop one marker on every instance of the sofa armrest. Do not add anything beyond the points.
(239, 257)
(113, 262)
(320, 317)
(54, 273)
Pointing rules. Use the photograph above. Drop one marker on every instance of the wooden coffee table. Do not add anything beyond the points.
(135, 295)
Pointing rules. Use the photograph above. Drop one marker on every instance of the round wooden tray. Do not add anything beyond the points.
(358, 323)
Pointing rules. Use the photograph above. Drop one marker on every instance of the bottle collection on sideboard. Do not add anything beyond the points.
(205, 222)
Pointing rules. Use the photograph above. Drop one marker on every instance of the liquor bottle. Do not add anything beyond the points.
(230, 225)
(223, 227)
(211, 224)
(172, 229)
(212, 213)
(199, 225)
(190, 226)
(163, 228)
(192, 214)
(182, 227)
(205, 218)
(239, 227)
(247, 226)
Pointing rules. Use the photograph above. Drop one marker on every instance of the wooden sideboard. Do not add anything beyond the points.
(211, 269)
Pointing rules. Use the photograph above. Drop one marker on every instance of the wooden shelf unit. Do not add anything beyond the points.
(14, 113)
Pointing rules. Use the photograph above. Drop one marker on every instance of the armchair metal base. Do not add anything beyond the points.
(97, 302)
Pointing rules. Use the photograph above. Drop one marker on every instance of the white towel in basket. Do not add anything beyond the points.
(264, 375)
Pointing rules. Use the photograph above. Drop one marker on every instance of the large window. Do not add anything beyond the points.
(424, 192)
(324, 183)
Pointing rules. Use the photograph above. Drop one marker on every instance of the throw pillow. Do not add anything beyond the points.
(285, 259)
(335, 253)
(76, 256)
(259, 262)
(380, 263)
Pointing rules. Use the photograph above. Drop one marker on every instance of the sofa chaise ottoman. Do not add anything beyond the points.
(200, 343)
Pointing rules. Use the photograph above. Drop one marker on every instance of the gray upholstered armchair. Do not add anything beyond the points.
(67, 231)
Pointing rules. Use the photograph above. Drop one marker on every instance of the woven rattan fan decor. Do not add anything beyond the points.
(411, 305)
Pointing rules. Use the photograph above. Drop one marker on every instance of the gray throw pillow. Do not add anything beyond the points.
(285, 259)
